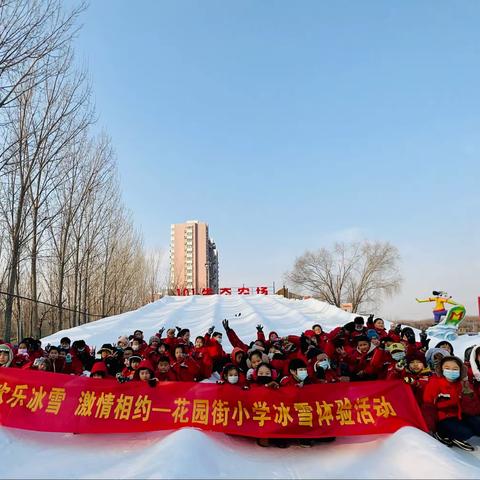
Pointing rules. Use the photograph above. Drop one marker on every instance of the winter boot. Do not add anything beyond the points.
(446, 441)
(463, 445)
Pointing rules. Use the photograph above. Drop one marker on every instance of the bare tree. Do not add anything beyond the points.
(30, 32)
(153, 267)
(360, 273)
(65, 235)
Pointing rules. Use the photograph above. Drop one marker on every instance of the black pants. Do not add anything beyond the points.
(459, 429)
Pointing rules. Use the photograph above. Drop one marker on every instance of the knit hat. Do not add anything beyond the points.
(395, 347)
(152, 339)
(99, 367)
(134, 358)
(122, 339)
(416, 355)
(361, 338)
(107, 347)
(5, 348)
(309, 333)
(431, 352)
(146, 364)
(359, 320)
(372, 333)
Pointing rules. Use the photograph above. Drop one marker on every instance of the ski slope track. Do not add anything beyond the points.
(191, 453)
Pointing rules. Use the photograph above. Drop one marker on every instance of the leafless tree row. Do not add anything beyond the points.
(65, 236)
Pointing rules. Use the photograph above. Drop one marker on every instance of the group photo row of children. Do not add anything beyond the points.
(446, 384)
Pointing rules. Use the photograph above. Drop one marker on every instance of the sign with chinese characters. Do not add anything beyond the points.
(52, 402)
(182, 292)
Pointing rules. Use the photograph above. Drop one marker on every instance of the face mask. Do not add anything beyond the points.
(451, 374)
(233, 379)
(135, 347)
(302, 375)
(81, 349)
(22, 351)
(398, 356)
(325, 364)
(358, 328)
(219, 340)
(264, 379)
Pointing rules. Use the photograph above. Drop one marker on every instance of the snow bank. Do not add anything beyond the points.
(191, 453)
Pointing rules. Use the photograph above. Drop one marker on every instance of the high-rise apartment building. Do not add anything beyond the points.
(193, 257)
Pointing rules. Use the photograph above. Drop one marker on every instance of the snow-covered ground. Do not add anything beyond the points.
(191, 453)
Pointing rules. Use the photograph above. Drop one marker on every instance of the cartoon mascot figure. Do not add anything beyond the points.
(440, 299)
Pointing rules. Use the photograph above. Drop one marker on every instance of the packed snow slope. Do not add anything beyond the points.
(191, 453)
(198, 313)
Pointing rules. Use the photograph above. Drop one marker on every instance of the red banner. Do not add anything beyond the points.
(62, 403)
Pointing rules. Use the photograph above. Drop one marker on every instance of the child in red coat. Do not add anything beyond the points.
(443, 407)
(185, 367)
(145, 373)
(164, 373)
(231, 375)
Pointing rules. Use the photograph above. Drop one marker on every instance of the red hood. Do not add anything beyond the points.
(234, 353)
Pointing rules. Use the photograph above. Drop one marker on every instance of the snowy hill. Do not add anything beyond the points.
(191, 453)
(198, 313)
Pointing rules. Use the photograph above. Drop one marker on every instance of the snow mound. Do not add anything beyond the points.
(198, 313)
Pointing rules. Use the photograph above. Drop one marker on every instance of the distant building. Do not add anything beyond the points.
(193, 258)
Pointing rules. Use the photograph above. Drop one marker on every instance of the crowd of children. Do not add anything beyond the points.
(446, 387)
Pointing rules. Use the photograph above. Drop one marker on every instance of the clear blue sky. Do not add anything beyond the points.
(288, 125)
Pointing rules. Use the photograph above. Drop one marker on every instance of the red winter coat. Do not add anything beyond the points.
(360, 362)
(128, 372)
(170, 376)
(234, 354)
(75, 367)
(214, 349)
(235, 341)
(268, 343)
(187, 370)
(204, 360)
(381, 362)
(411, 348)
(445, 397)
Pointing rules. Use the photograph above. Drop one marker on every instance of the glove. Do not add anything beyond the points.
(211, 329)
(259, 328)
(152, 382)
(122, 379)
(423, 338)
(160, 332)
(225, 325)
(409, 380)
(178, 329)
(68, 358)
(398, 329)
